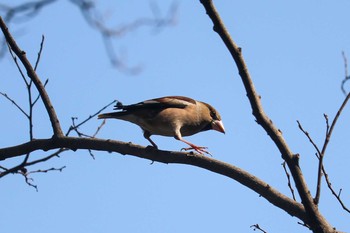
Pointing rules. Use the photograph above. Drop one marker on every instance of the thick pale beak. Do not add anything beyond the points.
(218, 126)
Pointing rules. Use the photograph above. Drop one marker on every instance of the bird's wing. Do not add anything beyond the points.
(148, 109)
(157, 104)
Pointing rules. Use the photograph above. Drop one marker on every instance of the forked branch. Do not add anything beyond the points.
(57, 131)
(64, 142)
(317, 222)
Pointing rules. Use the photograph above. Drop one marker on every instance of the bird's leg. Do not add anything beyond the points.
(199, 149)
(147, 135)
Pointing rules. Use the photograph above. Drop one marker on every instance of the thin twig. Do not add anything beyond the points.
(38, 97)
(14, 103)
(310, 139)
(75, 127)
(95, 19)
(47, 170)
(56, 127)
(257, 227)
(99, 128)
(27, 9)
(46, 158)
(347, 77)
(325, 144)
(30, 180)
(337, 195)
(17, 65)
(334, 122)
(288, 177)
(39, 53)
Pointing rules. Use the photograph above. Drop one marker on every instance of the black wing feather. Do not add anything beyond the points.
(147, 105)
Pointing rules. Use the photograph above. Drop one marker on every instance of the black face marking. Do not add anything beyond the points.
(213, 113)
(207, 127)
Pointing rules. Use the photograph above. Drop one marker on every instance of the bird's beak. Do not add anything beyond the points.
(218, 126)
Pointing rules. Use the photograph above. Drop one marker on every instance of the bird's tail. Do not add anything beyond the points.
(117, 115)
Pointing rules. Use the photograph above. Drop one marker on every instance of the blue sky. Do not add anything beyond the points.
(293, 52)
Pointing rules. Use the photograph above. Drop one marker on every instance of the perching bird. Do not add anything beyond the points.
(174, 116)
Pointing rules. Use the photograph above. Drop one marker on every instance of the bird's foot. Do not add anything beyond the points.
(200, 149)
(152, 147)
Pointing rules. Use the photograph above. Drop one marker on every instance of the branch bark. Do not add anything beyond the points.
(307, 211)
(325, 144)
(272, 195)
(57, 131)
(317, 222)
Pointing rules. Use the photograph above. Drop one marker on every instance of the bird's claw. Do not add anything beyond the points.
(199, 149)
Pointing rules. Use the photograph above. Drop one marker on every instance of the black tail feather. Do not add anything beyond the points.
(116, 115)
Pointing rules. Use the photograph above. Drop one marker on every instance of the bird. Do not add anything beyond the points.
(173, 116)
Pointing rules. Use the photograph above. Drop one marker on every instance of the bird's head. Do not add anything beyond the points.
(214, 119)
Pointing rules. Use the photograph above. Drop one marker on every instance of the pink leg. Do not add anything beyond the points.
(199, 149)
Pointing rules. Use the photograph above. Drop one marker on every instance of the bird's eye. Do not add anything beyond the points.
(213, 115)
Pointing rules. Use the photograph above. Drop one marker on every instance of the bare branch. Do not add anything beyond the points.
(95, 20)
(73, 143)
(14, 103)
(336, 195)
(34, 77)
(347, 77)
(75, 127)
(334, 122)
(317, 221)
(38, 97)
(320, 155)
(39, 53)
(310, 139)
(99, 128)
(329, 131)
(30, 180)
(47, 170)
(325, 144)
(46, 158)
(24, 11)
(256, 227)
(22, 167)
(288, 177)
(18, 66)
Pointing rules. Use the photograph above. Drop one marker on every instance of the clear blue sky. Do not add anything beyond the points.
(293, 51)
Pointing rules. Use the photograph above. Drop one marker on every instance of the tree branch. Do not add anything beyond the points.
(95, 19)
(336, 195)
(272, 195)
(321, 153)
(34, 77)
(14, 103)
(288, 178)
(329, 132)
(256, 227)
(347, 77)
(317, 222)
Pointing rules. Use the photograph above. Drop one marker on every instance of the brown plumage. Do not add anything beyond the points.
(174, 116)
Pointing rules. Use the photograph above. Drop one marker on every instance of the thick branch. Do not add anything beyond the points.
(34, 77)
(317, 223)
(278, 199)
